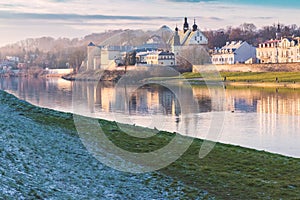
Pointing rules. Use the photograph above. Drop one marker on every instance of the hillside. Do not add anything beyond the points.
(48, 52)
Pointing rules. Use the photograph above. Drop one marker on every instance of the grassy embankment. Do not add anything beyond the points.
(228, 172)
(253, 76)
(255, 79)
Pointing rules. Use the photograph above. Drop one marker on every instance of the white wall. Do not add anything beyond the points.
(108, 56)
(166, 62)
(245, 52)
(228, 58)
(197, 38)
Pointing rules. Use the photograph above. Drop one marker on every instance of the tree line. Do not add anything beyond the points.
(250, 33)
(48, 52)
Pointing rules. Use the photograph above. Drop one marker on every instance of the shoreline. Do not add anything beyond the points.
(227, 171)
(235, 81)
(288, 85)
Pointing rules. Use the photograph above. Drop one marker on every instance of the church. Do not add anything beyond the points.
(188, 37)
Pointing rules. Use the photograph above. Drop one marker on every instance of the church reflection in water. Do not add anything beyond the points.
(254, 116)
(106, 97)
(148, 99)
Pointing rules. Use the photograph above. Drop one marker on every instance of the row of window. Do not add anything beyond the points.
(162, 63)
(283, 53)
(196, 38)
(283, 45)
(166, 57)
(160, 57)
(152, 57)
(222, 59)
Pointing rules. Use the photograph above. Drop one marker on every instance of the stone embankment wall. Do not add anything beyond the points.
(278, 67)
(57, 72)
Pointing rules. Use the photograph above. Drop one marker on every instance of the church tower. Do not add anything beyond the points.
(176, 42)
(90, 55)
(176, 38)
(185, 25)
(278, 32)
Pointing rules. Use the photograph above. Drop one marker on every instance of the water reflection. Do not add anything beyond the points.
(266, 119)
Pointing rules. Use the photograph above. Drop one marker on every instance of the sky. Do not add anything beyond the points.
(20, 19)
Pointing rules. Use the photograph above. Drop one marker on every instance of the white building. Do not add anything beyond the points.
(101, 57)
(234, 52)
(187, 38)
(141, 57)
(12, 58)
(161, 58)
(109, 54)
(280, 50)
(283, 50)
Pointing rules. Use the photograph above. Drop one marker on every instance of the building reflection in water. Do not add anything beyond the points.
(254, 113)
(105, 97)
(52, 93)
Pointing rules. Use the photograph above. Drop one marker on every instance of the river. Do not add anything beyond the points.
(258, 118)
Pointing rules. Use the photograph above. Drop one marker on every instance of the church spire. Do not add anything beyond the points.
(185, 25)
(195, 27)
(278, 32)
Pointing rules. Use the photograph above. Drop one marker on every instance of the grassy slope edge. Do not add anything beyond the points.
(228, 172)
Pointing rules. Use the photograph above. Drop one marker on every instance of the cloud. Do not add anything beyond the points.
(191, 1)
(53, 16)
(21, 18)
(216, 18)
(263, 18)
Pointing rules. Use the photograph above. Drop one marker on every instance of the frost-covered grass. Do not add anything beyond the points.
(41, 156)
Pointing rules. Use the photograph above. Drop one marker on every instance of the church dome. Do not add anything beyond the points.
(195, 27)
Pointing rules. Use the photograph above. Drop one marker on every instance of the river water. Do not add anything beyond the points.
(258, 118)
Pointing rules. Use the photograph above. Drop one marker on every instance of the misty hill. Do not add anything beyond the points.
(50, 52)
(113, 37)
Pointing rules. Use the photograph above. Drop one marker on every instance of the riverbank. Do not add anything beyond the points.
(228, 172)
(237, 79)
(37, 72)
(250, 79)
(95, 75)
